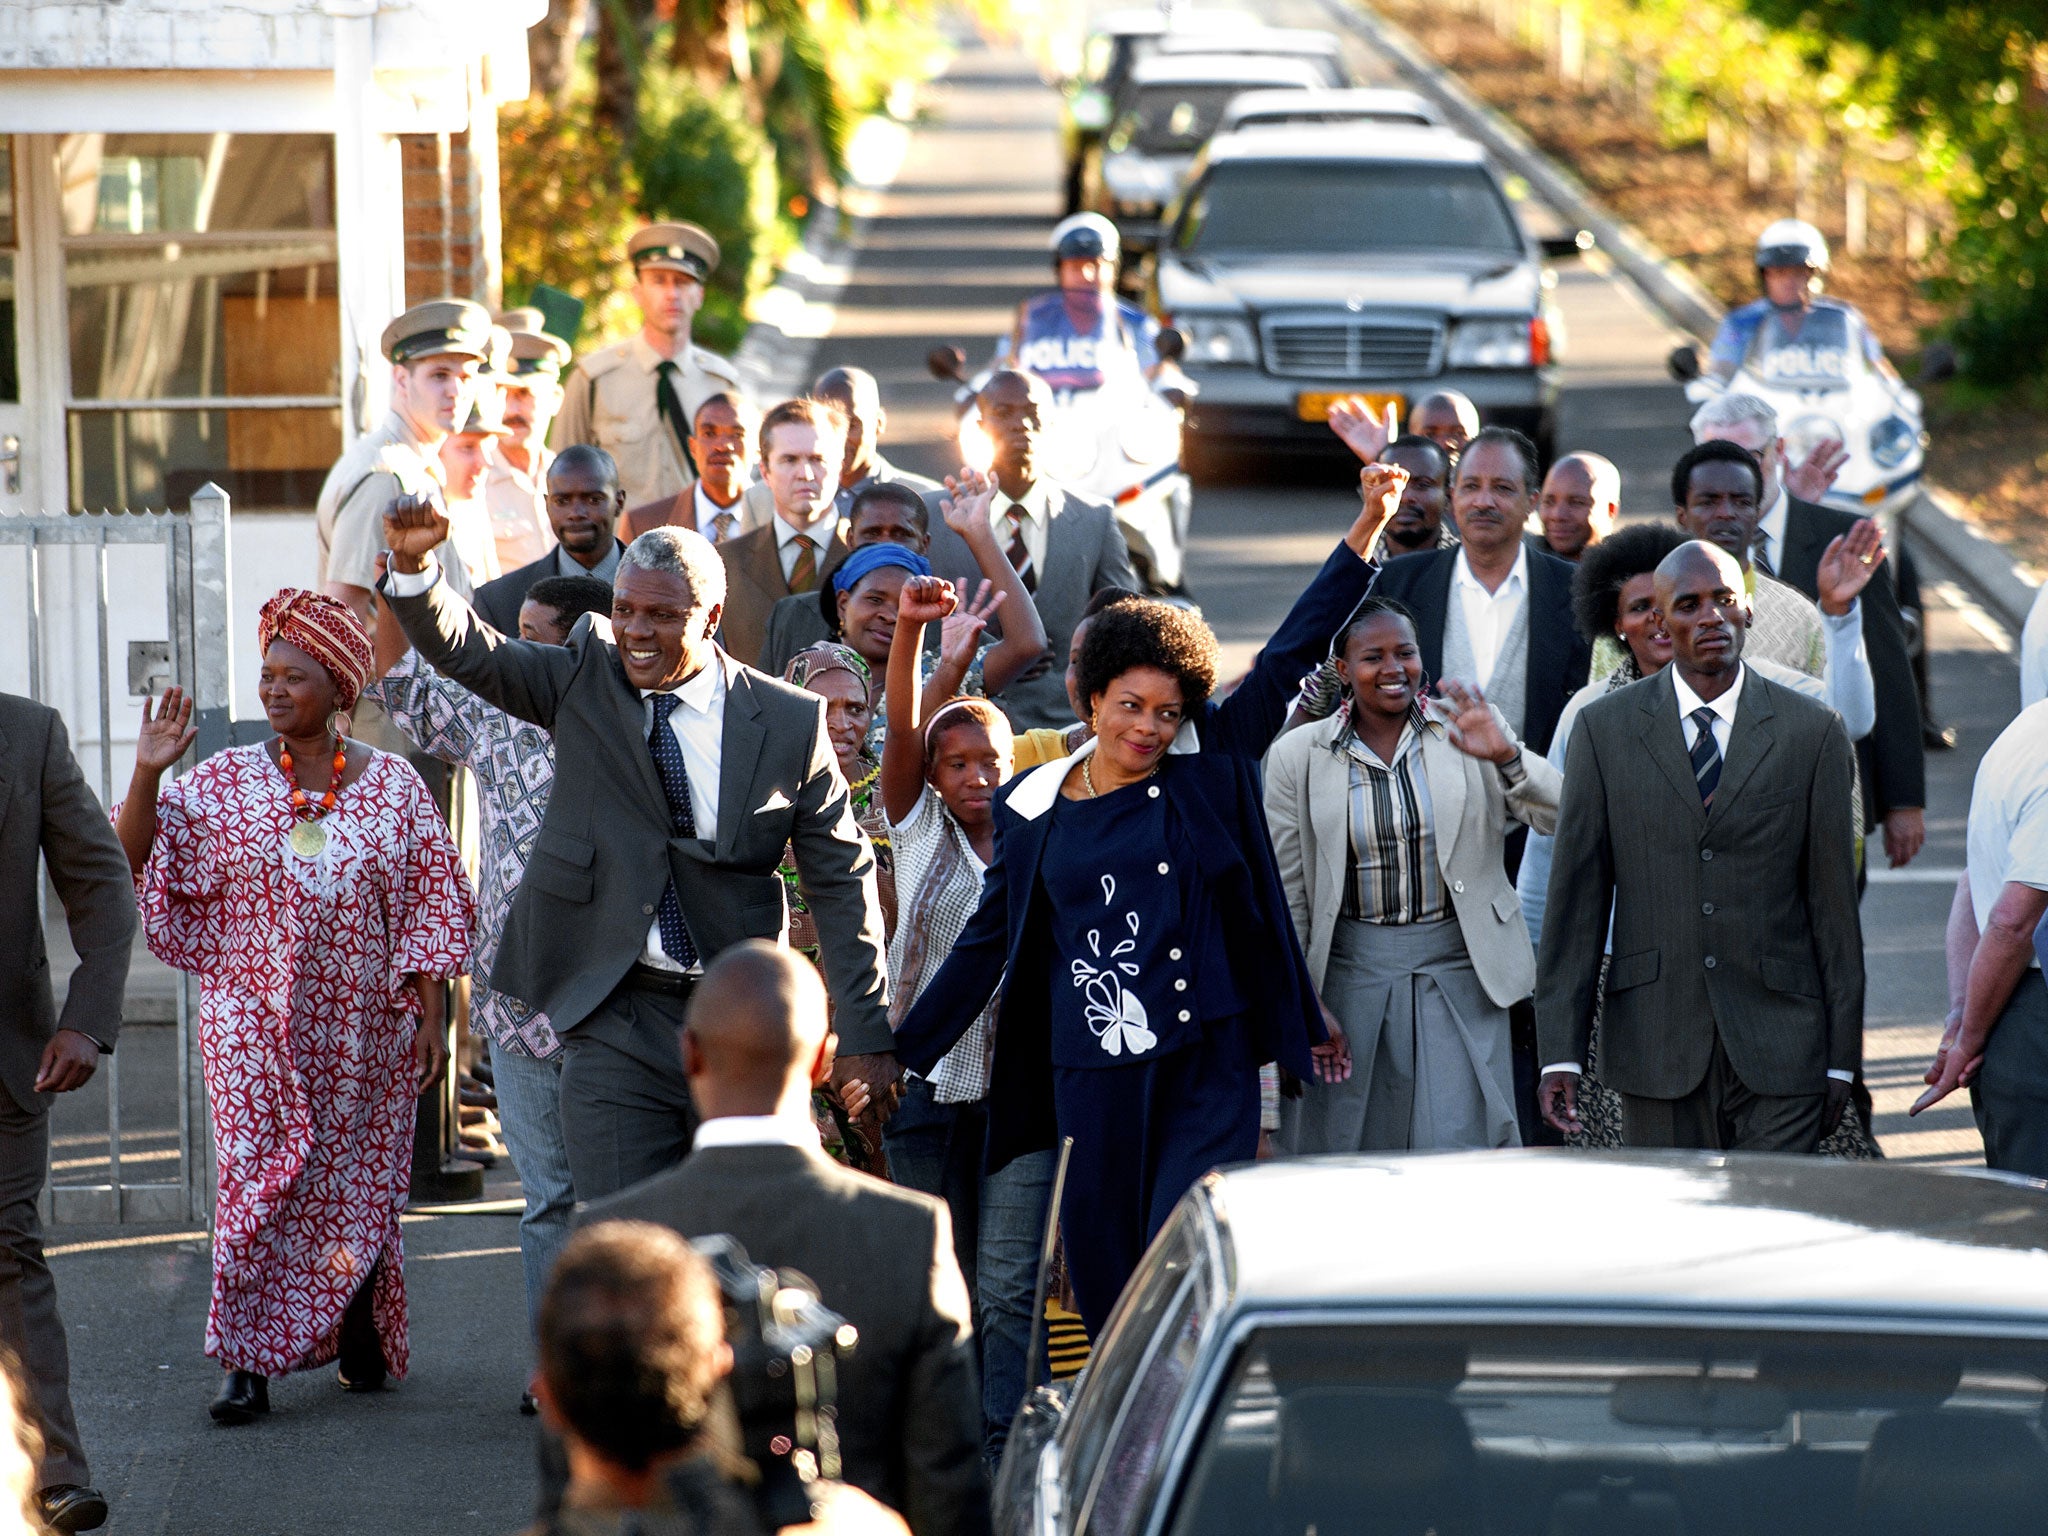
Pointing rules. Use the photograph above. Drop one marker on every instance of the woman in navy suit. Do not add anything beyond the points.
(1136, 910)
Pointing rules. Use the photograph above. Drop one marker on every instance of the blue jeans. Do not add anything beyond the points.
(998, 1225)
(530, 1113)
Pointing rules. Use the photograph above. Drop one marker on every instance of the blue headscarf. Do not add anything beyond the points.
(873, 557)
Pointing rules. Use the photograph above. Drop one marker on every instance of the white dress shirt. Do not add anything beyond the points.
(1770, 533)
(2034, 652)
(819, 532)
(2007, 842)
(698, 724)
(709, 511)
(1489, 615)
(1037, 523)
(758, 1131)
(1688, 729)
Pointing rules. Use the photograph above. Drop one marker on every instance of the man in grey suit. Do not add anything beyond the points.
(1066, 547)
(882, 1257)
(48, 814)
(681, 776)
(1707, 810)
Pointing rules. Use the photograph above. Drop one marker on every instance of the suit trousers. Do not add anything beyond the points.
(626, 1109)
(29, 1324)
(1724, 1115)
(2010, 1096)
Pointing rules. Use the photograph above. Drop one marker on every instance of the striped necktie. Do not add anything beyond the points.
(1760, 557)
(1706, 755)
(1020, 552)
(803, 571)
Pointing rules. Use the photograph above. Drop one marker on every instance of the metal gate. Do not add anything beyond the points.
(139, 1149)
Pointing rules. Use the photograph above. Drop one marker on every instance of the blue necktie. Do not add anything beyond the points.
(675, 782)
(1706, 755)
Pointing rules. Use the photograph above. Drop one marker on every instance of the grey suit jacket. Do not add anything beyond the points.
(1084, 552)
(605, 854)
(754, 584)
(881, 1257)
(47, 812)
(1308, 812)
(1740, 920)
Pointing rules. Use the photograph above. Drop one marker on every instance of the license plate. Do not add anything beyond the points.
(1314, 405)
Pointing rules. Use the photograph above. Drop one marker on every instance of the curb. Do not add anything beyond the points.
(1935, 517)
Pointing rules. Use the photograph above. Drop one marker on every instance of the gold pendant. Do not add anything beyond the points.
(307, 839)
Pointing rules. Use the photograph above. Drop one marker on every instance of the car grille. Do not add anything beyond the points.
(1341, 347)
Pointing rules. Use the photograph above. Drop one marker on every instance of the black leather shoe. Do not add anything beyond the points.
(529, 1404)
(1938, 738)
(362, 1365)
(243, 1396)
(68, 1507)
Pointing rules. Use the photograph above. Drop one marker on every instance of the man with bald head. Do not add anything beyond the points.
(1579, 505)
(855, 392)
(755, 1042)
(1446, 417)
(1706, 812)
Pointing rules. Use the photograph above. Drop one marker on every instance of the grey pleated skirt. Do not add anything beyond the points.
(1431, 1063)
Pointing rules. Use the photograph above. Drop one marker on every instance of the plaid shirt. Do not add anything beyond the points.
(938, 886)
(514, 767)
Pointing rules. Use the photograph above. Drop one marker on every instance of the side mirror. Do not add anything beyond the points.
(1172, 344)
(1684, 363)
(1937, 363)
(948, 364)
(1562, 247)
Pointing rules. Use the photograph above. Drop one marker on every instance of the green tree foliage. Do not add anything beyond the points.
(570, 201)
(1969, 80)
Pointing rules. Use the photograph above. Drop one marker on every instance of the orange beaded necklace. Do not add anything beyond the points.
(308, 837)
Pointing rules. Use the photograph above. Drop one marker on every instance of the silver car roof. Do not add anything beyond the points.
(1688, 1231)
(1252, 70)
(1358, 101)
(1377, 142)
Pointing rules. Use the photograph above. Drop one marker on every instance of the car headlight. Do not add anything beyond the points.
(1808, 432)
(1218, 339)
(1892, 441)
(1490, 344)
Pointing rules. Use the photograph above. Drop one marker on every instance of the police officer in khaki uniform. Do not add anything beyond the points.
(437, 351)
(516, 463)
(637, 398)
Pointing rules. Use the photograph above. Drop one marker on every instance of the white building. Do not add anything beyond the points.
(209, 209)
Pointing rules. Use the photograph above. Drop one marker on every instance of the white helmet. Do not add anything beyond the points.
(1792, 243)
(1084, 237)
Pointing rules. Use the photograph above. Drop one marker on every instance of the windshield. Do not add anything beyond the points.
(1534, 1431)
(1347, 208)
(1172, 119)
(1820, 355)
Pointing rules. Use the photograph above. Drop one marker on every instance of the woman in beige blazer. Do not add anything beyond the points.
(1388, 820)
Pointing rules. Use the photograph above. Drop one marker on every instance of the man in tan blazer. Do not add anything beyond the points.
(802, 443)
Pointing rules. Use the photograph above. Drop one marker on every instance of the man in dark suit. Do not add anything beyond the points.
(1707, 810)
(1066, 547)
(1792, 535)
(755, 1045)
(1491, 610)
(681, 776)
(48, 814)
(801, 445)
(584, 502)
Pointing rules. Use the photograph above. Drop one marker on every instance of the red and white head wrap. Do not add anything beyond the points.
(325, 630)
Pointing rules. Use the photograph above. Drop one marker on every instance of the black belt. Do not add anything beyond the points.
(653, 978)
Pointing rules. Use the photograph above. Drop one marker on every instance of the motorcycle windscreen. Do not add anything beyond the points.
(1820, 355)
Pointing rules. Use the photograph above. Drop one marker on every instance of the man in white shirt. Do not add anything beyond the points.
(803, 442)
(1706, 810)
(1996, 1039)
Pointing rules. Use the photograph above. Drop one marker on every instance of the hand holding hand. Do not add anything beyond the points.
(925, 600)
(1362, 432)
(969, 496)
(1847, 565)
(1557, 1097)
(413, 528)
(69, 1061)
(166, 732)
(879, 1076)
(1474, 729)
(1333, 1056)
(1810, 478)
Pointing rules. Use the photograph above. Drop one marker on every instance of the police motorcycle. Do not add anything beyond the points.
(1815, 362)
(1118, 393)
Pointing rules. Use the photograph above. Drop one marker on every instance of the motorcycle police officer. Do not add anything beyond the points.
(1791, 264)
(636, 398)
(1078, 335)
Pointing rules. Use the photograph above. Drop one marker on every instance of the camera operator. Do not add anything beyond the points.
(632, 1351)
(754, 1043)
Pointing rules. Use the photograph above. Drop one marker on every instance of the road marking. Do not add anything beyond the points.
(460, 1253)
(1932, 874)
(108, 1244)
(1995, 634)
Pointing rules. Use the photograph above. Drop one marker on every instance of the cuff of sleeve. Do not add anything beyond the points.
(1563, 1066)
(1853, 619)
(413, 583)
(1840, 1076)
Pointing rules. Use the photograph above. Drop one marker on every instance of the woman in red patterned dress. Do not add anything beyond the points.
(311, 886)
